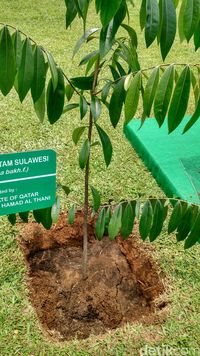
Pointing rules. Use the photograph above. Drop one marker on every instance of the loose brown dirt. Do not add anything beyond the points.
(122, 285)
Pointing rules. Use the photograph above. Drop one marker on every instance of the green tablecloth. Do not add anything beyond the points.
(173, 160)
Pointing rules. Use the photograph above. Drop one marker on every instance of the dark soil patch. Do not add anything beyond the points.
(122, 285)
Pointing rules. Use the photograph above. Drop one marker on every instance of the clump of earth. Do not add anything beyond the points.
(122, 286)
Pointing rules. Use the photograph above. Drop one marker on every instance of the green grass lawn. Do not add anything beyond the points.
(126, 177)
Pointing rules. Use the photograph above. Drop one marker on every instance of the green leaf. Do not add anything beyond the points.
(150, 91)
(134, 204)
(53, 69)
(37, 216)
(143, 14)
(193, 119)
(106, 39)
(71, 214)
(77, 2)
(82, 7)
(108, 11)
(132, 97)
(191, 17)
(91, 56)
(40, 106)
(24, 216)
(175, 218)
(185, 225)
(98, 5)
(84, 154)
(197, 37)
(146, 220)
(132, 34)
(95, 143)
(158, 219)
(108, 32)
(163, 201)
(129, 55)
(83, 106)
(176, 2)
(137, 209)
(114, 72)
(127, 221)
(26, 70)
(55, 211)
(70, 107)
(12, 219)
(55, 98)
(46, 218)
(116, 102)
(7, 62)
(96, 199)
(43, 216)
(180, 99)
(83, 83)
(39, 76)
(106, 144)
(194, 235)
(127, 81)
(78, 133)
(71, 12)
(95, 107)
(83, 39)
(163, 95)
(66, 189)
(100, 224)
(168, 26)
(152, 21)
(17, 44)
(115, 222)
(195, 86)
(105, 91)
(107, 219)
(91, 63)
(120, 69)
(119, 16)
(181, 20)
(69, 91)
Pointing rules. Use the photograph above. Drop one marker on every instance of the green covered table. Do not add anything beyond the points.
(173, 160)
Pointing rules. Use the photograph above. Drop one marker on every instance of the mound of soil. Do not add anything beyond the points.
(122, 284)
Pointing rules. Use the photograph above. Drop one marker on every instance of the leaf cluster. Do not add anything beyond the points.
(24, 65)
(164, 90)
(150, 215)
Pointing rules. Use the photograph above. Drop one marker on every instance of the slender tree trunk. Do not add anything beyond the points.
(86, 206)
(86, 192)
